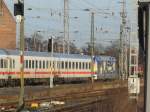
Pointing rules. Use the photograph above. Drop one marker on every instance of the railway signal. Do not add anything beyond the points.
(18, 7)
(50, 46)
(51, 49)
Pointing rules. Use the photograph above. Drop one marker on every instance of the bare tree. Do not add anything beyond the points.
(58, 46)
(34, 43)
(113, 49)
(98, 49)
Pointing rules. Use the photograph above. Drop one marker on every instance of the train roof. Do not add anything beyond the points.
(57, 55)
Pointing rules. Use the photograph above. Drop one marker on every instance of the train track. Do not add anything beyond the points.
(82, 98)
(92, 94)
(82, 106)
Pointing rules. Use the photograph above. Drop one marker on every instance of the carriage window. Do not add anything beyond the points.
(26, 66)
(32, 63)
(53, 64)
(80, 65)
(69, 65)
(5, 64)
(86, 65)
(36, 64)
(29, 63)
(2, 63)
(50, 64)
(43, 64)
(73, 65)
(40, 64)
(76, 65)
(83, 66)
(62, 65)
(66, 64)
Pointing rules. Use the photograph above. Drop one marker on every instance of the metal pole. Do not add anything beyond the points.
(92, 44)
(66, 27)
(92, 34)
(52, 46)
(34, 41)
(21, 98)
(123, 54)
(19, 13)
(129, 73)
(147, 81)
(144, 32)
(51, 76)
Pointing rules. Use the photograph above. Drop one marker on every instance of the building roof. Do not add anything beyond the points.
(4, 5)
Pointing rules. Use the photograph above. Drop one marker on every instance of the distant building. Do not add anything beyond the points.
(7, 28)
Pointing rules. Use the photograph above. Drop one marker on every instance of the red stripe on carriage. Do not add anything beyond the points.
(65, 73)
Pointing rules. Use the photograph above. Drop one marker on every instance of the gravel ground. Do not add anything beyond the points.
(118, 102)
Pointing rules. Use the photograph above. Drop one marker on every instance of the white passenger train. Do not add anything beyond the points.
(39, 66)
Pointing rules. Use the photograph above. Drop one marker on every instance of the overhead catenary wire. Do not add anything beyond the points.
(78, 7)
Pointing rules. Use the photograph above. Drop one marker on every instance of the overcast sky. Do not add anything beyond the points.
(51, 18)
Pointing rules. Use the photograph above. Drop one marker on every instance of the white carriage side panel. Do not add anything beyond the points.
(39, 72)
(17, 66)
(71, 72)
(9, 71)
(16, 69)
(2, 69)
(64, 70)
(43, 69)
(28, 71)
(50, 70)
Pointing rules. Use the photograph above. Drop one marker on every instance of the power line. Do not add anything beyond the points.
(90, 4)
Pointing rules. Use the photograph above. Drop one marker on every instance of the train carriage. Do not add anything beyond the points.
(43, 65)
